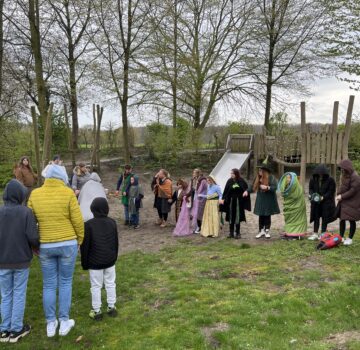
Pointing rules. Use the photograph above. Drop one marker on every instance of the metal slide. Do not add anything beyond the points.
(227, 162)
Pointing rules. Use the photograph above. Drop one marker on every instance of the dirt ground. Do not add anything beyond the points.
(152, 238)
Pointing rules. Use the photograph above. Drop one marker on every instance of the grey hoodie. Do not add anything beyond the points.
(18, 230)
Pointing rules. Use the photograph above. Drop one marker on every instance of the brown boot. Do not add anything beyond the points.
(163, 224)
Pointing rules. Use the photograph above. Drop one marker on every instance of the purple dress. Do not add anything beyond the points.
(197, 211)
(183, 225)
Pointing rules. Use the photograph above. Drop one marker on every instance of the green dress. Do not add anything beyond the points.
(266, 203)
(294, 206)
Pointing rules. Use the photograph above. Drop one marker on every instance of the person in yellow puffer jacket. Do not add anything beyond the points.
(61, 230)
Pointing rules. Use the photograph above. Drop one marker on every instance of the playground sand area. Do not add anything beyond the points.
(151, 238)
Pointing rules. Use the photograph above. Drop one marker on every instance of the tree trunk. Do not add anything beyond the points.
(174, 84)
(269, 83)
(94, 147)
(34, 22)
(1, 45)
(69, 136)
(48, 136)
(73, 101)
(37, 144)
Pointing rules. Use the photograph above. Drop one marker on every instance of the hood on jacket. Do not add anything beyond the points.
(100, 207)
(14, 192)
(321, 169)
(56, 172)
(136, 180)
(346, 165)
(95, 177)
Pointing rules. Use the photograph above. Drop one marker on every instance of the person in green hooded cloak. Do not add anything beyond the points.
(294, 206)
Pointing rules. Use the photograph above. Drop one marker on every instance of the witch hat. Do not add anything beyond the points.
(266, 164)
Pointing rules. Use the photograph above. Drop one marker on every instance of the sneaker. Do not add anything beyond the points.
(163, 224)
(96, 315)
(15, 336)
(348, 241)
(313, 237)
(111, 311)
(197, 231)
(65, 327)
(51, 328)
(260, 234)
(267, 234)
(4, 337)
(136, 227)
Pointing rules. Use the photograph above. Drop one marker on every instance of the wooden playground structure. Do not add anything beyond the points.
(328, 146)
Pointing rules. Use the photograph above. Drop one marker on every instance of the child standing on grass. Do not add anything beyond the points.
(18, 234)
(136, 194)
(99, 252)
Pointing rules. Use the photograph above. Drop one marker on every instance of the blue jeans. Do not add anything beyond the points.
(57, 265)
(126, 213)
(135, 218)
(13, 285)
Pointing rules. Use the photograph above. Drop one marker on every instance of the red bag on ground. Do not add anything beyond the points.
(328, 241)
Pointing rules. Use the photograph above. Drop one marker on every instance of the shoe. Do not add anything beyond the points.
(127, 223)
(65, 327)
(163, 224)
(96, 315)
(15, 336)
(51, 328)
(136, 227)
(231, 235)
(348, 241)
(111, 311)
(260, 234)
(267, 234)
(237, 236)
(197, 231)
(313, 237)
(159, 222)
(4, 337)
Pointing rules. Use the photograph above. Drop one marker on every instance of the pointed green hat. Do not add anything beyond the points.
(266, 164)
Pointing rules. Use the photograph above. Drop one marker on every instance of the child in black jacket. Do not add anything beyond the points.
(18, 234)
(99, 253)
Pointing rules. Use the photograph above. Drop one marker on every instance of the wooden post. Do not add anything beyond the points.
(334, 139)
(37, 144)
(345, 152)
(303, 145)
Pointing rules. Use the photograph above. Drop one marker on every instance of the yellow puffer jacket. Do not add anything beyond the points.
(57, 211)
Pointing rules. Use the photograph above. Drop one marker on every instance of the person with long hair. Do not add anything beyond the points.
(322, 190)
(25, 174)
(266, 204)
(234, 204)
(163, 192)
(183, 224)
(197, 197)
(348, 199)
(211, 218)
(123, 185)
(178, 196)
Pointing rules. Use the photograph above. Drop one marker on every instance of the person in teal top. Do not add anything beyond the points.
(294, 206)
(266, 204)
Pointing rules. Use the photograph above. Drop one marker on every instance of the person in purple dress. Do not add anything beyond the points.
(183, 225)
(198, 187)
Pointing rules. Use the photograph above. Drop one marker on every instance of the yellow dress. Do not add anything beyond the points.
(211, 219)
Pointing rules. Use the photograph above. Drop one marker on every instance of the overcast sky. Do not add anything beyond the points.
(319, 106)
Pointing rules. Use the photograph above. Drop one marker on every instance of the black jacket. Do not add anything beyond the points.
(326, 187)
(100, 246)
(18, 230)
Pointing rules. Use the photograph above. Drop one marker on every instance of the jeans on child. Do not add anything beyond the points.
(57, 266)
(97, 279)
(126, 213)
(135, 218)
(13, 284)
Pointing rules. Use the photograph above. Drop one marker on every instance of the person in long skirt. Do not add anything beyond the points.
(198, 199)
(234, 204)
(178, 196)
(183, 225)
(266, 204)
(211, 218)
(294, 206)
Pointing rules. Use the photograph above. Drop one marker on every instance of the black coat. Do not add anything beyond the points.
(326, 187)
(99, 249)
(234, 202)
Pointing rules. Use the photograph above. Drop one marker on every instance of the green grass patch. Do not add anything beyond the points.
(277, 296)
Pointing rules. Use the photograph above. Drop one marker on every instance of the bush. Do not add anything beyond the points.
(6, 174)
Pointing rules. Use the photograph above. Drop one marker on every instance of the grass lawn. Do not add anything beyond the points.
(219, 295)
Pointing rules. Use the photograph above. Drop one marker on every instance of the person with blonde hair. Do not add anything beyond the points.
(211, 218)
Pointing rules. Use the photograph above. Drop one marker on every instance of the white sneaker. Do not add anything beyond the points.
(313, 237)
(65, 327)
(267, 234)
(260, 234)
(51, 328)
(348, 241)
(197, 230)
